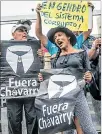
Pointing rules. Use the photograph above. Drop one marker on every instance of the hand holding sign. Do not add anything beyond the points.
(40, 77)
(40, 53)
(73, 15)
(91, 5)
(88, 76)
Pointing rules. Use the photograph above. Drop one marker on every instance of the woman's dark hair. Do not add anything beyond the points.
(56, 58)
(65, 30)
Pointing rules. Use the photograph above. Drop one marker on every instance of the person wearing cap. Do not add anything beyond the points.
(19, 32)
(52, 49)
(15, 106)
(27, 23)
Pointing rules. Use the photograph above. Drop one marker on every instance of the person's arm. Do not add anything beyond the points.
(38, 27)
(94, 51)
(52, 49)
(86, 67)
(81, 38)
(87, 33)
(86, 62)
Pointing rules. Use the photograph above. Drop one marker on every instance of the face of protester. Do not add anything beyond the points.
(61, 40)
(20, 34)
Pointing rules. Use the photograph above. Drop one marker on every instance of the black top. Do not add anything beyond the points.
(74, 63)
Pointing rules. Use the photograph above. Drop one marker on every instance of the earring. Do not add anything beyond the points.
(68, 38)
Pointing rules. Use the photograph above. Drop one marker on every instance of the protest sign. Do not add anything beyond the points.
(70, 14)
(55, 101)
(20, 66)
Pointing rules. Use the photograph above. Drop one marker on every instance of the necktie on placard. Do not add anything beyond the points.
(20, 68)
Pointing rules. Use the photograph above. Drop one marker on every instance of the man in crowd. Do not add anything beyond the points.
(93, 51)
(15, 106)
(27, 23)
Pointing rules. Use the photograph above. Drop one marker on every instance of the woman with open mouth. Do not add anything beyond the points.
(75, 61)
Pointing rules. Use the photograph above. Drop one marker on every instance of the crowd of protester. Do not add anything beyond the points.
(76, 52)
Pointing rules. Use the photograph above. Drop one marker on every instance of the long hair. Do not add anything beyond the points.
(56, 58)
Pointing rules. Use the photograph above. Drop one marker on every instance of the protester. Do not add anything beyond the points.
(74, 60)
(92, 46)
(27, 23)
(52, 49)
(93, 51)
(15, 106)
(48, 44)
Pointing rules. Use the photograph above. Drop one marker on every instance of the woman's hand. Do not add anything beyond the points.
(40, 53)
(88, 76)
(40, 77)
